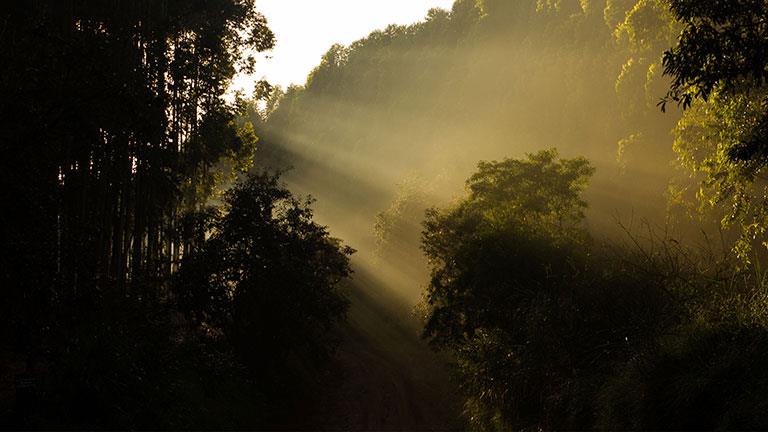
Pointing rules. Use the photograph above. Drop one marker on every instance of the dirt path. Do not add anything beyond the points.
(386, 377)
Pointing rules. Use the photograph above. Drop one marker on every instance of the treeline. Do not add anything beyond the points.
(394, 123)
(126, 301)
(483, 81)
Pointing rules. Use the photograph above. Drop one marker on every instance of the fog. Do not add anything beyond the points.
(431, 100)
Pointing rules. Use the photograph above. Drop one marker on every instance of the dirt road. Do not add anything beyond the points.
(386, 378)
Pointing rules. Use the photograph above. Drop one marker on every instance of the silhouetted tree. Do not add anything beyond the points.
(267, 279)
(499, 259)
(113, 122)
(113, 126)
(537, 315)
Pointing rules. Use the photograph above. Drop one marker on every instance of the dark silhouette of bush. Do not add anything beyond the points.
(132, 364)
(266, 280)
(553, 330)
(707, 378)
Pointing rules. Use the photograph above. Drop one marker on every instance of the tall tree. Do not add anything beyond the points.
(113, 121)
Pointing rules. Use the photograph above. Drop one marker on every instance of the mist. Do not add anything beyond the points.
(432, 99)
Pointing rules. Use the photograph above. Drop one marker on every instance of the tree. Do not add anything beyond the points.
(723, 44)
(719, 70)
(538, 313)
(500, 260)
(266, 279)
(723, 48)
(414, 98)
(113, 126)
(733, 192)
(519, 217)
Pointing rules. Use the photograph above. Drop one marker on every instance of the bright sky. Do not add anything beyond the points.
(305, 29)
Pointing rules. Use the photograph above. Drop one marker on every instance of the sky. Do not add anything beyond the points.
(305, 29)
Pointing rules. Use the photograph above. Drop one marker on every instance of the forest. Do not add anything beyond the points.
(510, 215)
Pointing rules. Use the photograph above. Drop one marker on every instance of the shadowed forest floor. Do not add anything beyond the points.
(384, 377)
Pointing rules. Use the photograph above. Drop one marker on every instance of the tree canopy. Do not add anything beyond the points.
(515, 212)
(113, 123)
(718, 69)
(266, 277)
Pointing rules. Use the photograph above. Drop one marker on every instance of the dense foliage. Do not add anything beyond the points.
(266, 279)
(722, 45)
(112, 123)
(718, 67)
(553, 330)
(115, 133)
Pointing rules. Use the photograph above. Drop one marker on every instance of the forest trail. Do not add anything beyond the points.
(386, 378)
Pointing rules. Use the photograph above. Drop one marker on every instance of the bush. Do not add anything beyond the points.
(703, 379)
(120, 362)
(553, 330)
(266, 280)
